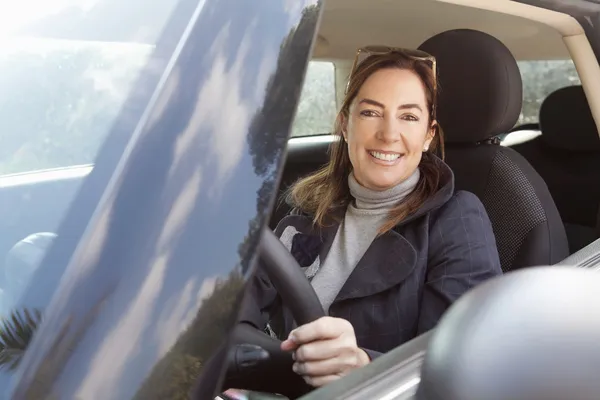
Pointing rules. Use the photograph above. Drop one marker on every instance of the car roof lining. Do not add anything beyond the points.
(408, 23)
(405, 23)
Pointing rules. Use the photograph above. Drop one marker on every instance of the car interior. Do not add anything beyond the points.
(535, 172)
(526, 173)
(535, 178)
(527, 191)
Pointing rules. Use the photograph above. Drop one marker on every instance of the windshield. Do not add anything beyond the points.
(67, 70)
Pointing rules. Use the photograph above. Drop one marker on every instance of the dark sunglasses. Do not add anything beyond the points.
(363, 52)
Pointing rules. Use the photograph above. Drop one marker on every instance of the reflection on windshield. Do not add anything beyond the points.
(67, 69)
(22, 261)
(59, 98)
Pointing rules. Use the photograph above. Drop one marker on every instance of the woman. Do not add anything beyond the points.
(387, 244)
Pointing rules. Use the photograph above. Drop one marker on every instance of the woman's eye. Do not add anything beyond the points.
(368, 113)
(410, 117)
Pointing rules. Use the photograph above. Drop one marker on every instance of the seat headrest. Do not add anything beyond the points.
(481, 91)
(566, 121)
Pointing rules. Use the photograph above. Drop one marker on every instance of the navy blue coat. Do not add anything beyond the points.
(405, 281)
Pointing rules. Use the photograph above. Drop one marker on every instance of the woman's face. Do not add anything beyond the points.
(388, 128)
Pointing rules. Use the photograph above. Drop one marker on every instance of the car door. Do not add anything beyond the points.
(160, 236)
(63, 84)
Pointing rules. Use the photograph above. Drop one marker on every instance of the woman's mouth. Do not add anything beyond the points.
(385, 158)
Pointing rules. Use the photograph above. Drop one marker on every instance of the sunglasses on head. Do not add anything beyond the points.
(364, 52)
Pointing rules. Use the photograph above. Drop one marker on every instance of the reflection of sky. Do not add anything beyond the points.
(15, 15)
(212, 187)
(100, 20)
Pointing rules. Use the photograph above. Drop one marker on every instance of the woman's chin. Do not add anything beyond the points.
(381, 185)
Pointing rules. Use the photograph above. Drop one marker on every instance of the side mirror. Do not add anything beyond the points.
(22, 261)
(532, 334)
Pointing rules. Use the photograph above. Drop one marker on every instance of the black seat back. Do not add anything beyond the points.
(567, 156)
(480, 98)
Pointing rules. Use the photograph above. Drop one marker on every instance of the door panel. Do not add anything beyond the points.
(151, 292)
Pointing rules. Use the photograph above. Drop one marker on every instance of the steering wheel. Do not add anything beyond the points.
(256, 361)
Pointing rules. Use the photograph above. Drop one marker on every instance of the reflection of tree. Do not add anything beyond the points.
(271, 126)
(16, 332)
(174, 375)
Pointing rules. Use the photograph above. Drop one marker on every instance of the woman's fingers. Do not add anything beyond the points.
(321, 329)
(289, 345)
(322, 350)
(332, 366)
(319, 381)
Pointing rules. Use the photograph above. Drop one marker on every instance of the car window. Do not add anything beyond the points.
(67, 68)
(58, 99)
(317, 108)
(540, 78)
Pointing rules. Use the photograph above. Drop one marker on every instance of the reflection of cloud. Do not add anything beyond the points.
(221, 105)
(84, 258)
(220, 108)
(267, 65)
(16, 14)
(115, 67)
(112, 357)
(123, 342)
(293, 8)
(112, 69)
(169, 89)
(177, 318)
(91, 254)
(181, 210)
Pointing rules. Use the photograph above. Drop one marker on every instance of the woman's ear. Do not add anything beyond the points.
(430, 135)
(432, 130)
(344, 127)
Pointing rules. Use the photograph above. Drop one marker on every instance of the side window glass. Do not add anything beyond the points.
(317, 108)
(59, 98)
(540, 78)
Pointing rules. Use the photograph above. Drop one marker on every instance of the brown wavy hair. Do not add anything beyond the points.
(325, 194)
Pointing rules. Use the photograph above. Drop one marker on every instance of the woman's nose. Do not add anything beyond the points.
(390, 129)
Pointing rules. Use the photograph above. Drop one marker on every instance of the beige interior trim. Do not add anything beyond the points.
(342, 70)
(563, 23)
(573, 36)
(588, 69)
(572, 32)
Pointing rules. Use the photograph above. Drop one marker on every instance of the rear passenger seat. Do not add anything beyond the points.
(567, 156)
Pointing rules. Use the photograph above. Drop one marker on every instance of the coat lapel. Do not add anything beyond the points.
(389, 260)
(309, 246)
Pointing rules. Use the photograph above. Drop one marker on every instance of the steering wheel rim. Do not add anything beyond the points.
(288, 279)
(298, 295)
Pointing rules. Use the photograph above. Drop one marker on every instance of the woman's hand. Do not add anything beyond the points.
(324, 350)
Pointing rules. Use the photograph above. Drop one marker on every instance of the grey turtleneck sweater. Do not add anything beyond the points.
(362, 221)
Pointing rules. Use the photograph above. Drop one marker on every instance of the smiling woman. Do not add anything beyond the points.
(404, 131)
(372, 129)
(385, 241)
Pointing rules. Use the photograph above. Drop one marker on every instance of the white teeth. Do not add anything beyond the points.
(385, 156)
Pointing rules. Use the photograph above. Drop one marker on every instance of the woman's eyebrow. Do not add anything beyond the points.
(371, 102)
(401, 107)
(410, 105)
